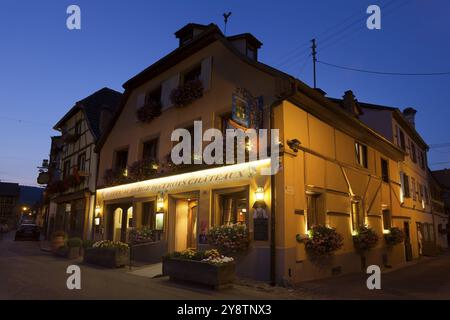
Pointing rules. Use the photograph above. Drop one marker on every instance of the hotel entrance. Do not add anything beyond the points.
(184, 208)
(120, 219)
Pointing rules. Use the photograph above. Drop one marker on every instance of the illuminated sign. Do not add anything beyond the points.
(241, 171)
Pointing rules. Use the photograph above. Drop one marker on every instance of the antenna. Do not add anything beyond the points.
(225, 19)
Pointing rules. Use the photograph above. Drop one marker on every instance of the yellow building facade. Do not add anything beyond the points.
(334, 169)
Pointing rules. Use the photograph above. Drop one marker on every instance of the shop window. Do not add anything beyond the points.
(361, 154)
(385, 170)
(148, 214)
(314, 210)
(357, 215)
(150, 149)
(233, 208)
(121, 159)
(387, 219)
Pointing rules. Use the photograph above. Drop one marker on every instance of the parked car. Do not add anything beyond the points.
(28, 231)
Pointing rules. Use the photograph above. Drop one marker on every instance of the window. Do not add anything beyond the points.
(357, 215)
(150, 149)
(314, 211)
(413, 152)
(121, 159)
(425, 193)
(148, 214)
(66, 168)
(154, 96)
(81, 162)
(422, 160)
(385, 170)
(413, 189)
(401, 139)
(404, 179)
(420, 191)
(78, 127)
(251, 52)
(387, 220)
(194, 74)
(361, 154)
(233, 208)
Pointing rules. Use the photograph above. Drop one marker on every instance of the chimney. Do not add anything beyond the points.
(350, 104)
(410, 115)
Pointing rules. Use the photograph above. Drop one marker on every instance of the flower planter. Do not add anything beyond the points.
(73, 253)
(215, 276)
(106, 257)
(57, 242)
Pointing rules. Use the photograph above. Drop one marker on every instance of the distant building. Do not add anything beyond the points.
(73, 164)
(442, 177)
(9, 197)
(29, 202)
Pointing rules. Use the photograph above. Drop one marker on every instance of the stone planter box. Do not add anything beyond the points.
(215, 276)
(73, 253)
(106, 257)
(149, 252)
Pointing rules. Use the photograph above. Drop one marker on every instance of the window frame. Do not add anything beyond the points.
(384, 170)
(361, 151)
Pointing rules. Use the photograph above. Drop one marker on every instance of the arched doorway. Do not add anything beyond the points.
(120, 219)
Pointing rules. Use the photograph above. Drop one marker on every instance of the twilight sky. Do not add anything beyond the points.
(45, 68)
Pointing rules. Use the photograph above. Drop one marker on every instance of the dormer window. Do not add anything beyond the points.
(251, 52)
(186, 38)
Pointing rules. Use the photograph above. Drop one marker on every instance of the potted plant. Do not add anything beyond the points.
(87, 243)
(74, 246)
(143, 235)
(364, 239)
(322, 241)
(232, 238)
(394, 236)
(149, 111)
(58, 240)
(185, 94)
(110, 254)
(208, 267)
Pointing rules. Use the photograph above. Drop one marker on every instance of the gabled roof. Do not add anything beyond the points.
(249, 37)
(398, 115)
(92, 106)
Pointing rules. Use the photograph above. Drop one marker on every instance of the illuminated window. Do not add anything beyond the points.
(404, 179)
(357, 215)
(314, 210)
(361, 154)
(233, 208)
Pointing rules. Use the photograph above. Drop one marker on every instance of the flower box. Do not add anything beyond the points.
(212, 275)
(107, 257)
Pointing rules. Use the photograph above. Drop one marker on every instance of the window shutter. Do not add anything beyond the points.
(166, 89)
(140, 100)
(206, 73)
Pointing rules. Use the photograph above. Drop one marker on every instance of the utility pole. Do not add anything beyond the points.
(225, 19)
(313, 47)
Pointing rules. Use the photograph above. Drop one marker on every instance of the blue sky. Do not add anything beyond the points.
(45, 68)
